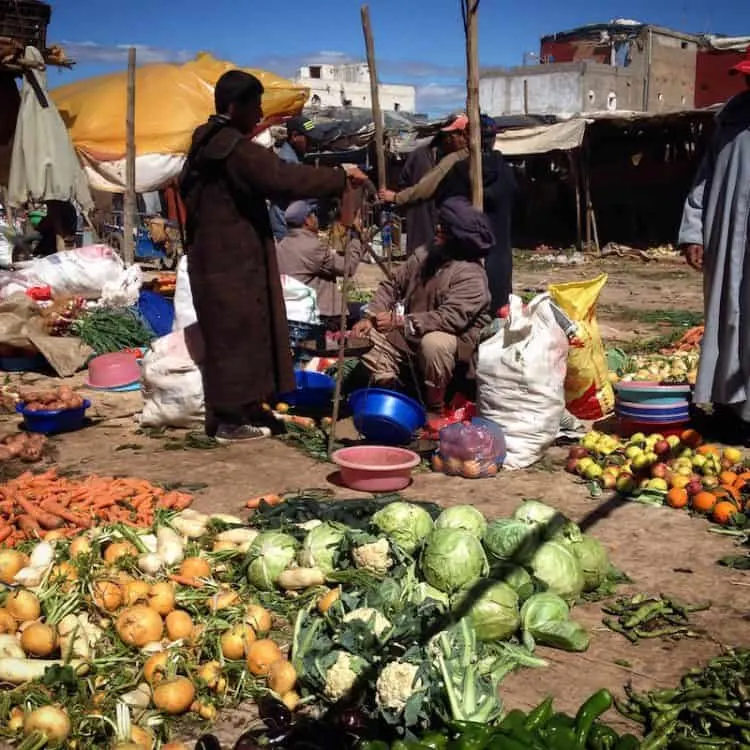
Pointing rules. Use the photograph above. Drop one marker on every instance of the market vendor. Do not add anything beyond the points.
(445, 301)
(234, 277)
(292, 150)
(451, 177)
(303, 256)
(715, 238)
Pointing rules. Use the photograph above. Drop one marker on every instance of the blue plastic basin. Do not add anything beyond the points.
(314, 390)
(386, 417)
(50, 422)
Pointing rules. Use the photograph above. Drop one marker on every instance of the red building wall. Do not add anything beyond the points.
(562, 52)
(713, 83)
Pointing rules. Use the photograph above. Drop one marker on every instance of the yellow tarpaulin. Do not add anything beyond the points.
(171, 101)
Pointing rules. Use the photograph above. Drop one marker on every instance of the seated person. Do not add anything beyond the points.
(304, 257)
(446, 301)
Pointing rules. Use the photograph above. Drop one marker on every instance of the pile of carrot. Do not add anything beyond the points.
(689, 342)
(37, 505)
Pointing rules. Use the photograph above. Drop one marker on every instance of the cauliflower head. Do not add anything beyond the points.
(396, 684)
(375, 557)
(342, 675)
(371, 617)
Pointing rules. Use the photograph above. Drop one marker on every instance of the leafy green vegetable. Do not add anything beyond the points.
(534, 513)
(465, 517)
(452, 560)
(508, 540)
(494, 614)
(111, 330)
(559, 570)
(546, 618)
(594, 562)
(321, 547)
(516, 577)
(405, 523)
(269, 556)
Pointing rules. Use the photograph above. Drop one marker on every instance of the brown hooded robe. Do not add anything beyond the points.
(233, 271)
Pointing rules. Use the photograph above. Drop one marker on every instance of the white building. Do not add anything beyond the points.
(349, 86)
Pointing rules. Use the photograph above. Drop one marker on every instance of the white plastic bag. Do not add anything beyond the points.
(521, 377)
(184, 312)
(300, 300)
(124, 291)
(81, 272)
(171, 380)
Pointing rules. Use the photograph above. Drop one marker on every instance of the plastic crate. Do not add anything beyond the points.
(25, 21)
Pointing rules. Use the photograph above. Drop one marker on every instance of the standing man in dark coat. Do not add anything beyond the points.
(234, 276)
(500, 191)
(421, 218)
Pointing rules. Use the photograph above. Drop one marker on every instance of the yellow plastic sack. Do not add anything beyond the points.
(588, 392)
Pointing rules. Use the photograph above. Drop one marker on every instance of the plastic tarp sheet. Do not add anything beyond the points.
(562, 136)
(171, 101)
(43, 166)
(727, 43)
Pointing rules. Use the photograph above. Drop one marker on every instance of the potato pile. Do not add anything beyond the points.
(28, 447)
(60, 398)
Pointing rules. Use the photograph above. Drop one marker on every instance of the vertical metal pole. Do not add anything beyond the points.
(130, 204)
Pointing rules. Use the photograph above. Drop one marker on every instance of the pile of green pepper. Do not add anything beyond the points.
(540, 729)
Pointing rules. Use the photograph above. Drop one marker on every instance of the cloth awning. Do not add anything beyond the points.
(562, 136)
(44, 165)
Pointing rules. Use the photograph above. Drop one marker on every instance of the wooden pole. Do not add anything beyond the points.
(470, 10)
(576, 178)
(342, 349)
(377, 114)
(130, 205)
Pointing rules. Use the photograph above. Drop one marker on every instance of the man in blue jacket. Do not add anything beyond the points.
(293, 149)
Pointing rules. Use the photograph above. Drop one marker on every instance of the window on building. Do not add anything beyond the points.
(396, 106)
(315, 71)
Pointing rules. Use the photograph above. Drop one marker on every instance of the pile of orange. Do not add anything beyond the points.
(722, 503)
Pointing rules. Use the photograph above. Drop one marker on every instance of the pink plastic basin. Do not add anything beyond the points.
(114, 370)
(376, 468)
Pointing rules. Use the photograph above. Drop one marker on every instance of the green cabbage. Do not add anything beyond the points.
(269, 556)
(494, 614)
(568, 533)
(321, 547)
(543, 607)
(465, 517)
(546, 618)
(555, 565)
(508, 540)
(516, 577)
(404, 523)
(452, 560)
(594, 562)
(534, 513)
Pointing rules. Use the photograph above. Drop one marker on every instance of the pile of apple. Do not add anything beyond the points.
(652, 462)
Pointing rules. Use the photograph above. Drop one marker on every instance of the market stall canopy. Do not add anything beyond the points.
(44, 165)
(171, 101)
(541, 139)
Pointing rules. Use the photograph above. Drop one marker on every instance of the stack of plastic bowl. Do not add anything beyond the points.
(652, 407)
(114, 372)
(314, 390)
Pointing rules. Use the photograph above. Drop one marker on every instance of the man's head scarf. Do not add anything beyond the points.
(462, 221)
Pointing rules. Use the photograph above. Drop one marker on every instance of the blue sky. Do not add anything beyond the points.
(417, 41)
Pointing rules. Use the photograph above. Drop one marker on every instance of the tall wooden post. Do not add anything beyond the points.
(377, 114)
(470, 11)
(130, 203)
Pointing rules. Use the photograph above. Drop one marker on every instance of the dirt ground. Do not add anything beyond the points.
(662, 550)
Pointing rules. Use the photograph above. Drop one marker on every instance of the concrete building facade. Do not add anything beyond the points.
(623, 65)
(349, 86)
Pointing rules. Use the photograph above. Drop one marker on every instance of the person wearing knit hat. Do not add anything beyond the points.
(445, 299)
(715, 238)
(303, 256)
